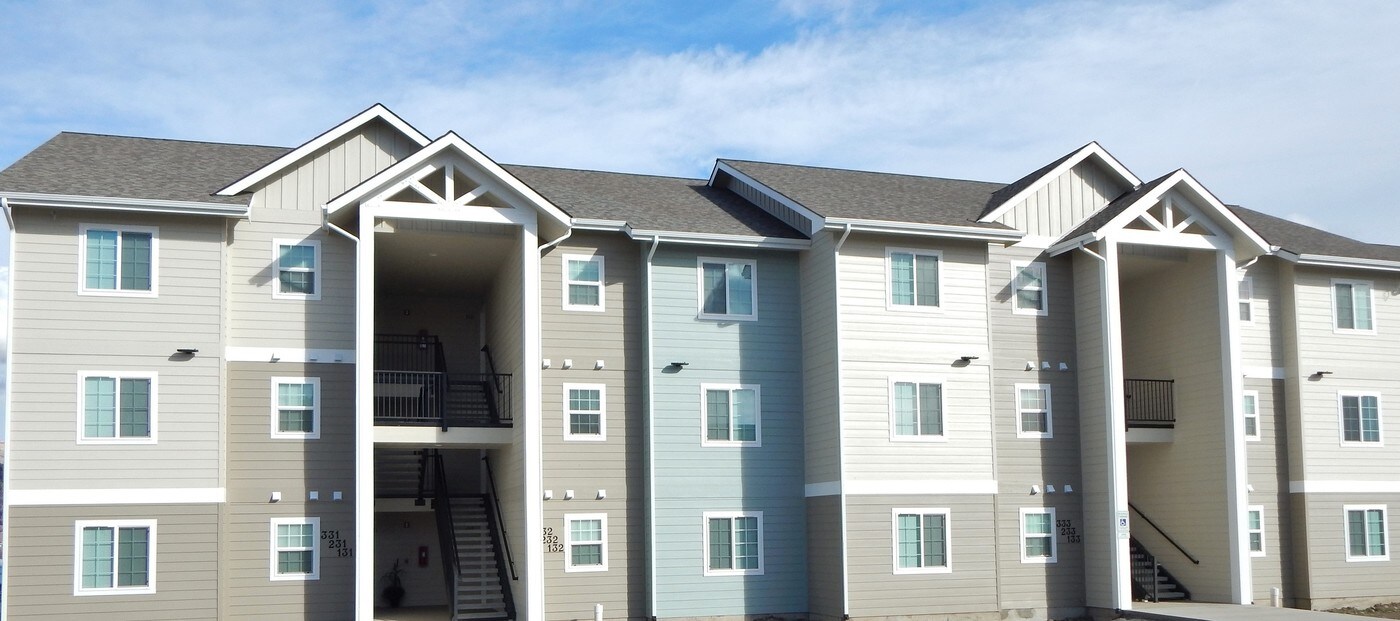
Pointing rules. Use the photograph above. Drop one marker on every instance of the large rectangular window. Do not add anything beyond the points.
(114, 557)
(733, 543)
(117, 408)
(1351, 306)
(1030, 297)
(294, 552)
(913, 278)
(921, 541)
(1361, 419)
(298, 269)
(296, 407)
(1033, 413)
(728, 289)
(583, 282)
(732, 415)
(916, 410)
(117, 260)
(1038, 535)
(1366, 533)
(584, 412)
(586, 542)
(1256, 530)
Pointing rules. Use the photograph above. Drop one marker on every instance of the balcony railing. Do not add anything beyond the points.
(1148, 403)
(412, 387)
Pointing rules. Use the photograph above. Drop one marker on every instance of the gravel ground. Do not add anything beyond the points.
(1379, 611)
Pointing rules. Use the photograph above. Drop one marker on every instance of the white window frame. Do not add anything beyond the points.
(1016, 267)
(569, 519)
(1346, 533)
(315, 523)
(705, 415)
(895, 436)
(1054, 545)
(316, 272)
(1342, 421)
(118, 376)
(700, 289)
(569, 435)
(947, 566)
(1049, 413)
(1371, 295)
(602, 279)
(705, 541)
(889, 280)
(1246, 300)
(118, 291)
(151, 564)
(315, 383)
(1248, 397)
(1263, 545)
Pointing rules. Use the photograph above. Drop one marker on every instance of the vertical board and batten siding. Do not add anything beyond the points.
(820, 371)
(1060, 205)
(1022, 462)
(1171, 330)
(1333, 581)
(1268, 476)
(59, 334)
(878, 343)
(617, 465)
(691, 479)
(42, 564)
(1261, 340)
(1096, 465)
(330, 171)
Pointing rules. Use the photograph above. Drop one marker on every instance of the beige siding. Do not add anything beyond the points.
(248, 591)
(825, 564)
(41, 564)
(1097, 468)
(821, 394)
(1054, 587)
(257, 319)
(1268, 476)
(504, 336)
(260, 464)
(616, 465)
(1064, 202)
(1335, 581)
(1261, 340)
(332, 170)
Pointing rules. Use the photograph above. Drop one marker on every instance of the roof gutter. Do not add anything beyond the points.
(926, 230)
(1077, 243)
(1322, 260)
(687, 237)
(9, 217)
(143, 205)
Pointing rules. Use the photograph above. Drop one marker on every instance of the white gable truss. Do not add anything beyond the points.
(1091, 150)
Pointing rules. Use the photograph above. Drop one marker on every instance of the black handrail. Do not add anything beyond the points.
(491, 362)
(447, 536)
(500, 519)
(1159, 530)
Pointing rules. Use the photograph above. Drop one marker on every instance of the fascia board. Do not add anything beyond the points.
(1093, 148)
(114, 203)
(721, 239)
(924, 230)
(1320, 260)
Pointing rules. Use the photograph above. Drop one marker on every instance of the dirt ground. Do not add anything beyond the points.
(1379, 611)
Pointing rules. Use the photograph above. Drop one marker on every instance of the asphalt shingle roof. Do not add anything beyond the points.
(118, 166)
(1303, 239)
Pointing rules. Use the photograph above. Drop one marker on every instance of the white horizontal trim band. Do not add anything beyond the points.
(985, 487)
(288, 354)
(144, 205)
(1343, 487)
(140, 496)
(1365, 264)
(1264, 372)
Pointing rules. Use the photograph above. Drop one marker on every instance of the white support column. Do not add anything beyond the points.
(1236, 463)
(1119, 562)
(364, 419)
(530, 422)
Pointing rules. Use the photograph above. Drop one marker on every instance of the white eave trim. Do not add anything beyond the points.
(1322, 260)
(377, 111)
(1093, 148)
(687, 237)
(926, 230)
(816, 219)
(144, 205)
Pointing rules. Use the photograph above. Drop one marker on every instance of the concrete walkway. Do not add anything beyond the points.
(1192, 611)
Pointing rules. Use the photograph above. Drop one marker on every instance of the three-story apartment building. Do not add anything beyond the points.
(382, 369)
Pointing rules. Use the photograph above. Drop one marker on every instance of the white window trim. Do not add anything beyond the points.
(917, 379)
(119, 376)
(1016, 267)
(315, 383)
(705, 541)
(602, 280)
(757, 415)
(1346, 533)
(602, 434)
(947, 566)
(1263, 541)
(1054, 545)
(700, 289)
(1049, 413)
(118, 292)
(151, 564)
(1246, 285)
(569, 518)
(889, 281)
(315, 574)
(1371, 292)
(1341, 420)
(1258, 425)
(317, 272)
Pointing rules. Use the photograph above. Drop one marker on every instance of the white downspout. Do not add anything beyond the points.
(9, 392)
(651, 438)
(840, 436)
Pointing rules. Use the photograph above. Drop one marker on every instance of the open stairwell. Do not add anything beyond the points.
(397, 473)
(468, 403)
(1151, 581)
(481, 592)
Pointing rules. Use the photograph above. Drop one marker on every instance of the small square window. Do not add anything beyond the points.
(732, 415)
(913, 278)
(583, 282)
(117, 260)
(1038, 536)
(1352, 306)
(1367, 539)
(586, 542)
(296, 408)
(1250, 408)
(1256, 530)
(294, 552)
(1033, 412)
(114, 557)
(298, 269)
(1360, 419)
(733, 543)
(117, 408)
(922, 541)
(916, 410)
(1030, 294)
(585, 407)
(728, 289)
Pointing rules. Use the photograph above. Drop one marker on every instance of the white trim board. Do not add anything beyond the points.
(117, 203)
(1343, 487)
(903, 488)
(289, 354)
(136, 496)
(1082, 154)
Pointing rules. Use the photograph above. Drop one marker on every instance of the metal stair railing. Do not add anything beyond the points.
(447, 534)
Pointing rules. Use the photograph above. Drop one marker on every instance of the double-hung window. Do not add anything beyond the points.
(117, 408)
(1366, 533)
(583, 282)
(584, 407)
(1030, 297)
(586, 542)
(117, 260)
(296, 407)
(1033, 414)
(1256, 530)
(732, 415)
(921, 539)
(298, 269)
(728, 289)
(1361, 419)
(913, 278)
(733, 543)
(1250, 408)
(1038, 535)
(114, 557)
(1351, 306)
(916, 410)
(294, 552)
(1246, 302)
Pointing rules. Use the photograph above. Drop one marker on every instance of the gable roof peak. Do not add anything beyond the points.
(1007, 197)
